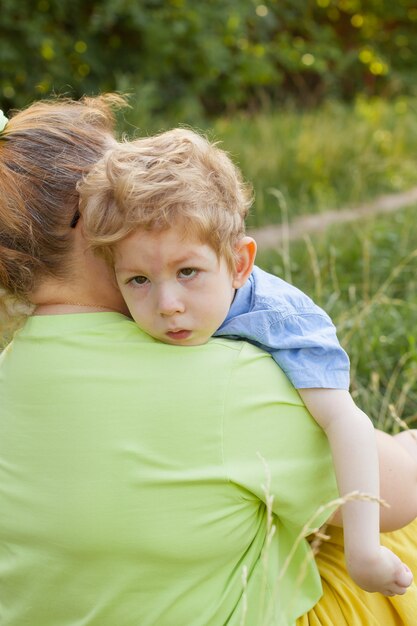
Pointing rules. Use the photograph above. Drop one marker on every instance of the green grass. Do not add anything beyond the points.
(365, 276)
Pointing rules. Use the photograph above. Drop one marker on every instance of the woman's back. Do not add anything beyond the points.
(130, 481)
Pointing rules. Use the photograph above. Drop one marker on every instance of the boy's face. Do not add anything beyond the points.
(176, 288)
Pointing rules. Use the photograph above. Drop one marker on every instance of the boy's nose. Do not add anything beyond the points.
(169, 303)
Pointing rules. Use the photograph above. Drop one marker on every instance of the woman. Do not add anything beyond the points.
(131, 472)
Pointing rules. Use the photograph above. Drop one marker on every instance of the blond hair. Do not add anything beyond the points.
(176, 177)
(44, 151)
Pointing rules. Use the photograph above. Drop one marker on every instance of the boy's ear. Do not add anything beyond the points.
(245, 257)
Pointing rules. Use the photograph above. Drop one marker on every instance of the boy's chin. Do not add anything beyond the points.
(185, 340)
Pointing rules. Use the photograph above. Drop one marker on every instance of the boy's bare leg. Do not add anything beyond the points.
(398, 480)
(408, 440)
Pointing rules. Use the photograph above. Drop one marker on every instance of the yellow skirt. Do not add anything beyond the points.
(345, 604)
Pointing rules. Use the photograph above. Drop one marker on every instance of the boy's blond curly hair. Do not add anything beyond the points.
(174, 178)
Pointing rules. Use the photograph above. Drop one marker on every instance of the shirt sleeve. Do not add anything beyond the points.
(269, 437)
(301, 337)
(310, 353)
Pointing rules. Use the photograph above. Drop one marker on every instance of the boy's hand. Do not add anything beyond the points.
(384, 573)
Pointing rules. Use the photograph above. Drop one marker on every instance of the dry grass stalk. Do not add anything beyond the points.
(401, 422)
(270, 531)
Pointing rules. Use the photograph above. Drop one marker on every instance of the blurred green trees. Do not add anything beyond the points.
(195, 58)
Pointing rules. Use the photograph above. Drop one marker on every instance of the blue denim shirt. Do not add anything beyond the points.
(300, 336)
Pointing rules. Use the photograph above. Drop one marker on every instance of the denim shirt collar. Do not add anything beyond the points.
(242, 301)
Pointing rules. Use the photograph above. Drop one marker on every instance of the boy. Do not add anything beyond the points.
(168, 213)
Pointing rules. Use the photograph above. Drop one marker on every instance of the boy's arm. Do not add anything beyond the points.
(352, 440)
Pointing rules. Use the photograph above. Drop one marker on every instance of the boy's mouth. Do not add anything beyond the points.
(178, 334)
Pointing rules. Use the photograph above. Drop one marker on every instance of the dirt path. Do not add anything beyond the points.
(273, 236)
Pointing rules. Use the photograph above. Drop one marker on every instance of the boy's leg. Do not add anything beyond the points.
(398, 478)
(408, 440)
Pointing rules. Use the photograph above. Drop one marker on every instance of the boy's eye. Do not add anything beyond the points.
(187, 272)
(138, 280)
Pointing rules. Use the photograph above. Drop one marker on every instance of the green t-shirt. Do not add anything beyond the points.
(132, 479)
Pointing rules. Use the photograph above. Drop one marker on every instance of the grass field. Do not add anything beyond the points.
(365, 276)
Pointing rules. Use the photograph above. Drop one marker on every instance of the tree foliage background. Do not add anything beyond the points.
(192, 59)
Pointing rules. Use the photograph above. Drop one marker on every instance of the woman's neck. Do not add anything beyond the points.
(52, 297)
(63, 308)
(90, 286)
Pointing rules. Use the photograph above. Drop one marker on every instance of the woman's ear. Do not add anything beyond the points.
(245, 251)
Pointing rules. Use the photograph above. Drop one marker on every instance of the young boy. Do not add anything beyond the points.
(168, 212)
